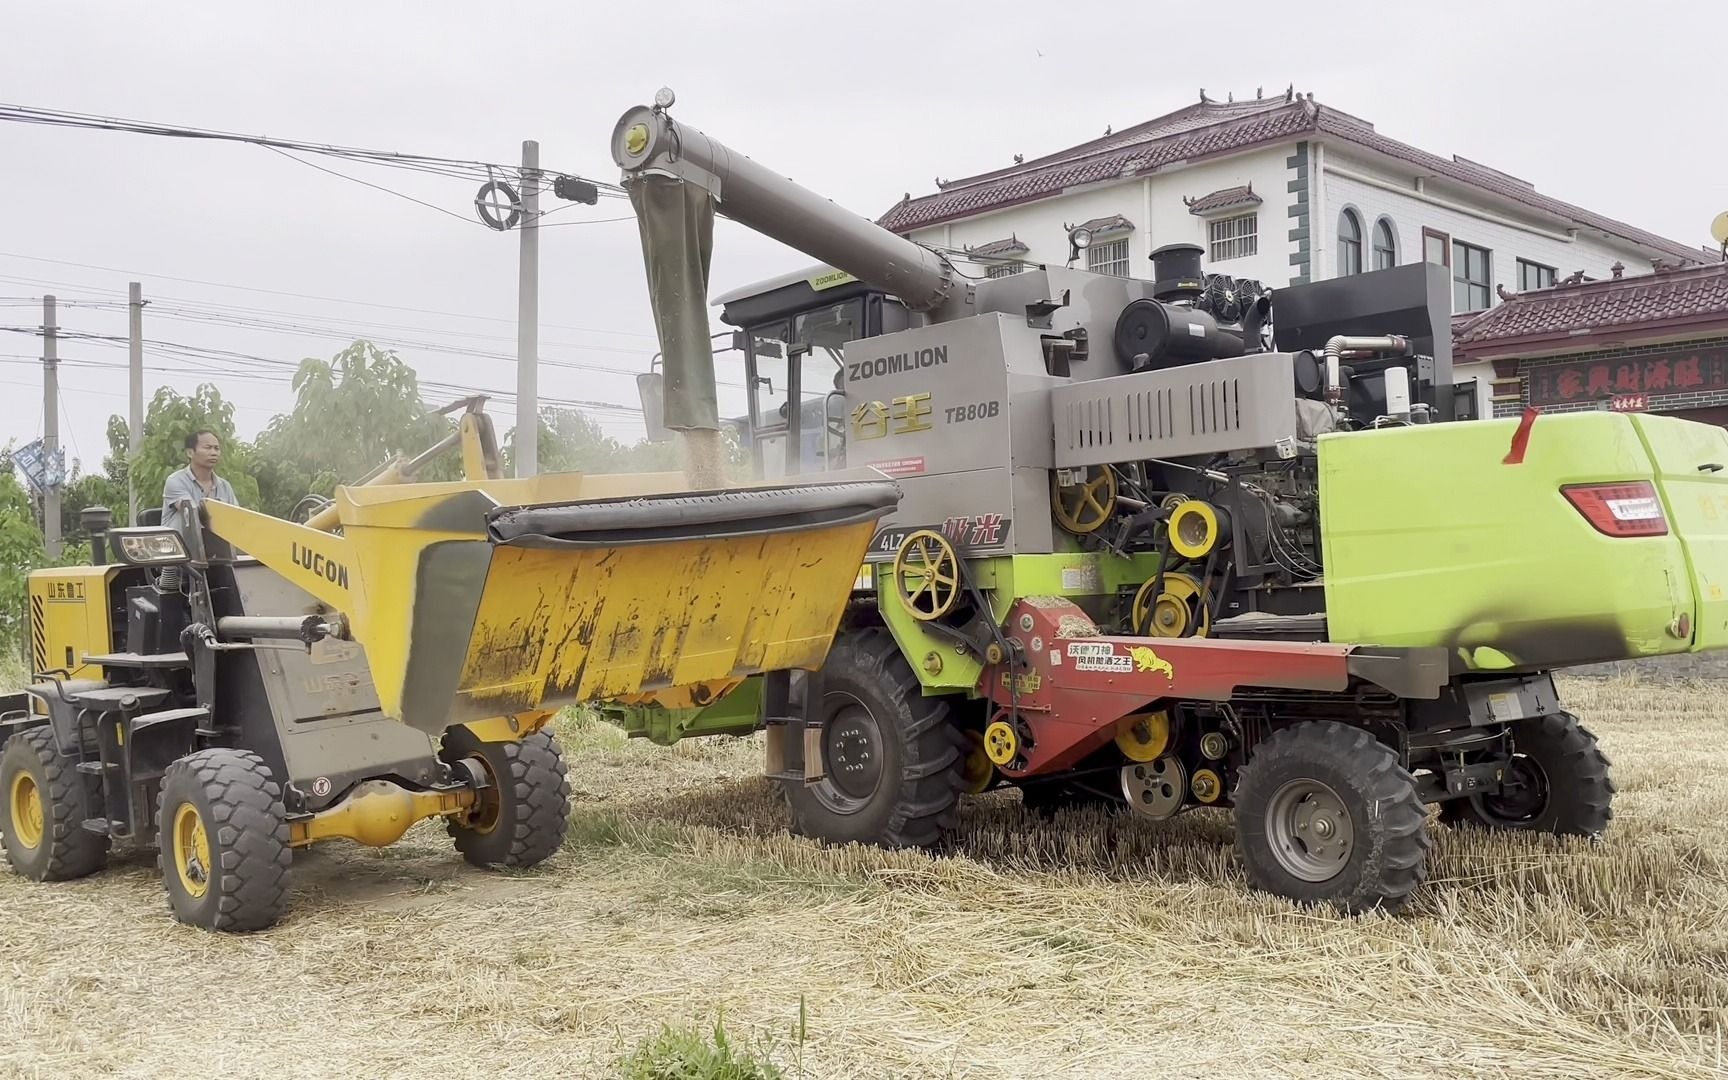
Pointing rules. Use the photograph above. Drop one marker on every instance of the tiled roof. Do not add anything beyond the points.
(1659, 302)
(1223, 199)
(1109, 224)
(1210, 129)
(1010, 246)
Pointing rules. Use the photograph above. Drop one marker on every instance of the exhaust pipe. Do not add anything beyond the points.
(96, 521)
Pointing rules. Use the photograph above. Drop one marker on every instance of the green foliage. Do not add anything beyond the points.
(351, 414)
(21, 551)
(572, 441)
(683, 1054)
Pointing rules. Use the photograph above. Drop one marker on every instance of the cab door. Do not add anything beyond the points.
(1691, 466)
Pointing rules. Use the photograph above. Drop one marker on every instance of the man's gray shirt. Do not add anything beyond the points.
(182, 485)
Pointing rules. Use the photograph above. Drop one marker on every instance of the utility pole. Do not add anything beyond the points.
(528, 317)
(135, 417)
(50, 428)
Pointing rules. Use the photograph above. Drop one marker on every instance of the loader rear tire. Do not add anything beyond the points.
(893, 759)
(222, 836)
(1326, 814)
(43, 803)
(1561, 783)
(521, 819)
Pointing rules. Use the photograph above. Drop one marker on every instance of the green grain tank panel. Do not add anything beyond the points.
(1431, 538)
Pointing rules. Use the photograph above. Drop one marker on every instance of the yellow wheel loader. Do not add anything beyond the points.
(233, 690)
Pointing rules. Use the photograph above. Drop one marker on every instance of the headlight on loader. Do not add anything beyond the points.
(148, 547)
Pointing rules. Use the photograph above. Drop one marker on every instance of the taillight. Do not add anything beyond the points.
(1620, 509)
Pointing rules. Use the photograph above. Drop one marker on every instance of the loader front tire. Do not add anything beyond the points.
(522, 816)
(44, 800)
(893, 760)
(1326, 814)
(1557, 782)
(222, 837)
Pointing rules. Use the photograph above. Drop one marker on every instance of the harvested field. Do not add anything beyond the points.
(1090, 947)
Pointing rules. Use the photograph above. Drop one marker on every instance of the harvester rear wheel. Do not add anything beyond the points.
(1325, 813)
(893, 760)
(223, 841)
(43, 800)
(1558, 782)
(521, 817)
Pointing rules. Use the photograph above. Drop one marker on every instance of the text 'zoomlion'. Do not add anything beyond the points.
(893, 365)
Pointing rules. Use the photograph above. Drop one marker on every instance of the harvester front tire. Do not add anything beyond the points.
(1307, 786)
(521, 820)
(898, 754)
(1566, 784)
(222, 835)
(53, 845)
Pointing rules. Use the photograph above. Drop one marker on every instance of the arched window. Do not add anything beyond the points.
(1385, 245)
(1349, 244)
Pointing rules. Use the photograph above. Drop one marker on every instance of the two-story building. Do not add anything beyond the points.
(1281, 190)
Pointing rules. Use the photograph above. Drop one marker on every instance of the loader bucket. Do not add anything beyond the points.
(492, 598)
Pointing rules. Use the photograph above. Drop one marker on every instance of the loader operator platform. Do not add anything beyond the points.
(196, 482)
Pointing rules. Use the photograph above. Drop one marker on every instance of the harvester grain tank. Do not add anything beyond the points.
(236, 690)
(1192, 542)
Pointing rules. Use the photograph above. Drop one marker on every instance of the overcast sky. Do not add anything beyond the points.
(1610, 106)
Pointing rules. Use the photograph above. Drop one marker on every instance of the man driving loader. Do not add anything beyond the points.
(187, 489)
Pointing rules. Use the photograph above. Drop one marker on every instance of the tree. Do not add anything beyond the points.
(572, 441)
(21, 551)
(352, 413)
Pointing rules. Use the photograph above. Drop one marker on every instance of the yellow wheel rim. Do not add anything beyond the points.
(927, 575)
(1084, 507)
(1193, 529)
(191, 850)
(1000, 742)
(1173, 611)
(978, 770)
(1146, 739)
(27, 820)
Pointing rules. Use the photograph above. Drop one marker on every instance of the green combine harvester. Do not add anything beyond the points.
(1178, 543)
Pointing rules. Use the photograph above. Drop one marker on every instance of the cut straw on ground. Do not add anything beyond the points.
(1093, 946)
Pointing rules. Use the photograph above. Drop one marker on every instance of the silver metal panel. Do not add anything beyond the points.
(1238, 403)
(959, 414)
(325, 704)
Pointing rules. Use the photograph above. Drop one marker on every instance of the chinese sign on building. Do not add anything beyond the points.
(1689, 371)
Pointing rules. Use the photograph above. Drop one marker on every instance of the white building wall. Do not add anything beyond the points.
(1355, 183)
(1154, 205)
(1508, 236)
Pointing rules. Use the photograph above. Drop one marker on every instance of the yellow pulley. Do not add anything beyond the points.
(927, 575)
(1084, 506)
(1146, 739)
(1001, 743)
(1195, 529)
(1207, 786)
(1180, 604)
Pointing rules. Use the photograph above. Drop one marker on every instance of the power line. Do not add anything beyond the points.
(460, 168)
(300, 296)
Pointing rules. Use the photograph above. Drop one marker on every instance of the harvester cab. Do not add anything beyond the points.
(245, 686)
(1194, 542)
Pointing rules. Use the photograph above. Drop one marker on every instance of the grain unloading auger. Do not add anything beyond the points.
(1189, 542)
(235, 689)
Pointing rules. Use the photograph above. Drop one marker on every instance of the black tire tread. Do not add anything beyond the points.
(1578, 771)
(72, 851)
(539, 787)
(1400, 866)
(248, 833)
(927, 806)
